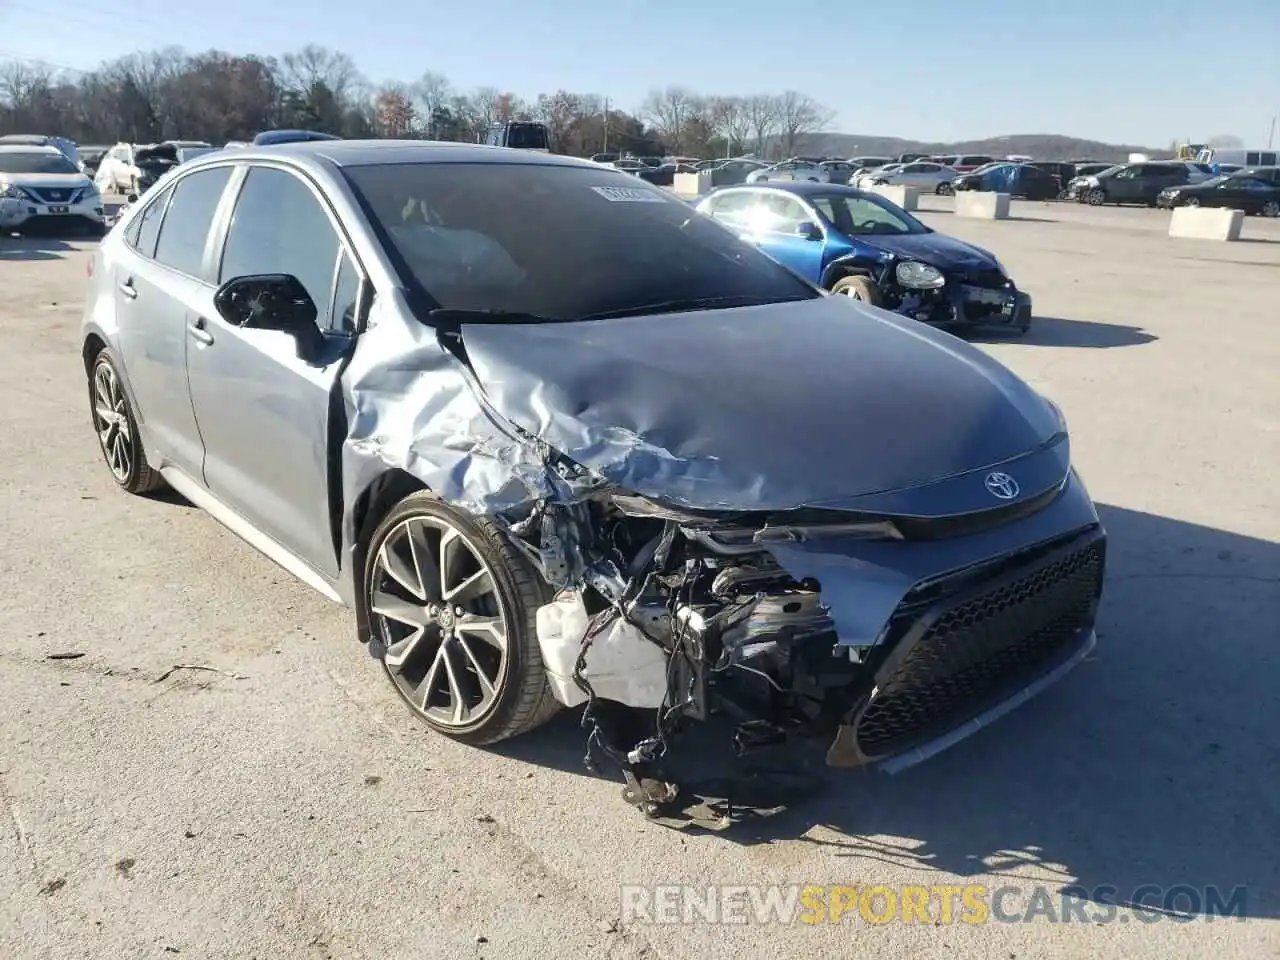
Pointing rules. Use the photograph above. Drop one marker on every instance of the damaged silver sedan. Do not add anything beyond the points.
(560, 441)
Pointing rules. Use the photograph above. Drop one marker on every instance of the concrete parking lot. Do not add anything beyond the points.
(269, 798)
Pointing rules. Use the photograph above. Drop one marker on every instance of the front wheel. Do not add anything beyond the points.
(1271, 208)
(451, 609)
(1096, 197)
(944, 190)
(857, 288)
(1191, 202)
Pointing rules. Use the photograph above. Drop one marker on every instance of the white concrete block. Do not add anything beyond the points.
(692, 184)
(907, 197)
(981, 205)
(1206, 223)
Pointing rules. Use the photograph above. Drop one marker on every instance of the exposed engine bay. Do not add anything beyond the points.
(693, 621)
(687, 618)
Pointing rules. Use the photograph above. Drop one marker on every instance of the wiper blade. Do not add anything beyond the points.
(690, 303)
(460, 315)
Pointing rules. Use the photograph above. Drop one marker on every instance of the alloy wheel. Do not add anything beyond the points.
(1271, 208)
(1193, 202)
(1097, 198)
(435, 605)
(111, 422)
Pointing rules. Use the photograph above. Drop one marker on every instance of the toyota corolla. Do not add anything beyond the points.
(559, 440)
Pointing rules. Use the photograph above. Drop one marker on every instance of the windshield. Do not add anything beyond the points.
(527, 136)
(478, 237)
(866, 216)
(35, 163)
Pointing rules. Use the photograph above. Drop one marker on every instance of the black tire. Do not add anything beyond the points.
(523, 699)
(1192, 202)
(858, 288)
(139, 478)
(1271, 208)
(944, 190)
(1096, 197)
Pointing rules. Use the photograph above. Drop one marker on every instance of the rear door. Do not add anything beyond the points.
(264, 414)
(159, 278)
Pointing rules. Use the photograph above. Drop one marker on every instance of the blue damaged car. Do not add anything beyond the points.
(863, 246)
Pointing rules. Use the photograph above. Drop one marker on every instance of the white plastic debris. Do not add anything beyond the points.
(622, 664)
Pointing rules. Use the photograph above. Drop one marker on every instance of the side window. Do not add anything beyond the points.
(346, 297)
(1128, 173)
(779, 213)
(279, 226)
(733, 207)
(144, 230)
(187, 221)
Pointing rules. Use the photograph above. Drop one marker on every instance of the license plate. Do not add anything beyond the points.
(993, 297)
(58, 209)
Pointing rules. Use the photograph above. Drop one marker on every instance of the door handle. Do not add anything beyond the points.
(198, 332)
(129, 291)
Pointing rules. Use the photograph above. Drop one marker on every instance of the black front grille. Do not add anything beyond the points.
(980, 650)
(53, 194)
(987, 277)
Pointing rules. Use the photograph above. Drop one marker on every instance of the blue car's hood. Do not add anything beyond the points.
(937, 249)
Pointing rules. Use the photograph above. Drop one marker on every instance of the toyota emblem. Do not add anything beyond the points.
(1002, 485)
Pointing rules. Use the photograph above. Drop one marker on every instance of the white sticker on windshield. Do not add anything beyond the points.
(630, 195)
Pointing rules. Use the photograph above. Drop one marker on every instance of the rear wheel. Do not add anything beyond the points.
(117, 428)
(1271, 208)
(1192, 202)
(451, 606)
(857, 288)
(944, 190)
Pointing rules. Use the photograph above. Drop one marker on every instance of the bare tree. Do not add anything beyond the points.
(558, 111)
(669, 111)
(313, 64)
(729, 118)
(431, 93)
(762, 120)
(799, 114)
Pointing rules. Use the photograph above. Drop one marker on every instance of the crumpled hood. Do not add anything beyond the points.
(936, 249)
(774, 407)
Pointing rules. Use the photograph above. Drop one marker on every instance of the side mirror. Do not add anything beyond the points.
(273, 301)
(810, 231)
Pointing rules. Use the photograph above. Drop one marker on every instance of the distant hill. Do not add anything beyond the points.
(1042, 146)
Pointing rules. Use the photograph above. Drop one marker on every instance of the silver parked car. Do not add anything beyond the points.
(925, 175)
(560, 441)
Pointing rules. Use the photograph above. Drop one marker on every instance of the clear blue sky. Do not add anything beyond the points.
(1116, 70)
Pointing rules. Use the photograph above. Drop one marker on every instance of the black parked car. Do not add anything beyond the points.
(1134, 182)
(1238, 192)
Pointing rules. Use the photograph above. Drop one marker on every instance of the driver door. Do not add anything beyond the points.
(774, 224)
(263, 412)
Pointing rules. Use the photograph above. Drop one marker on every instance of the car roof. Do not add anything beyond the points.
(29, 148)
(804, 188)
(358, 153)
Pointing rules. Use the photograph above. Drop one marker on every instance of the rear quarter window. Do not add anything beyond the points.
(145, 228)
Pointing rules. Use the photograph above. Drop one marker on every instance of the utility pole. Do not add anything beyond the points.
(1271, 133)
(605, 146)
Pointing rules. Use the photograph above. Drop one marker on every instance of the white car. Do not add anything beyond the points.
(38, 185)
(862, 176)
(126, 168)
(791, 170)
